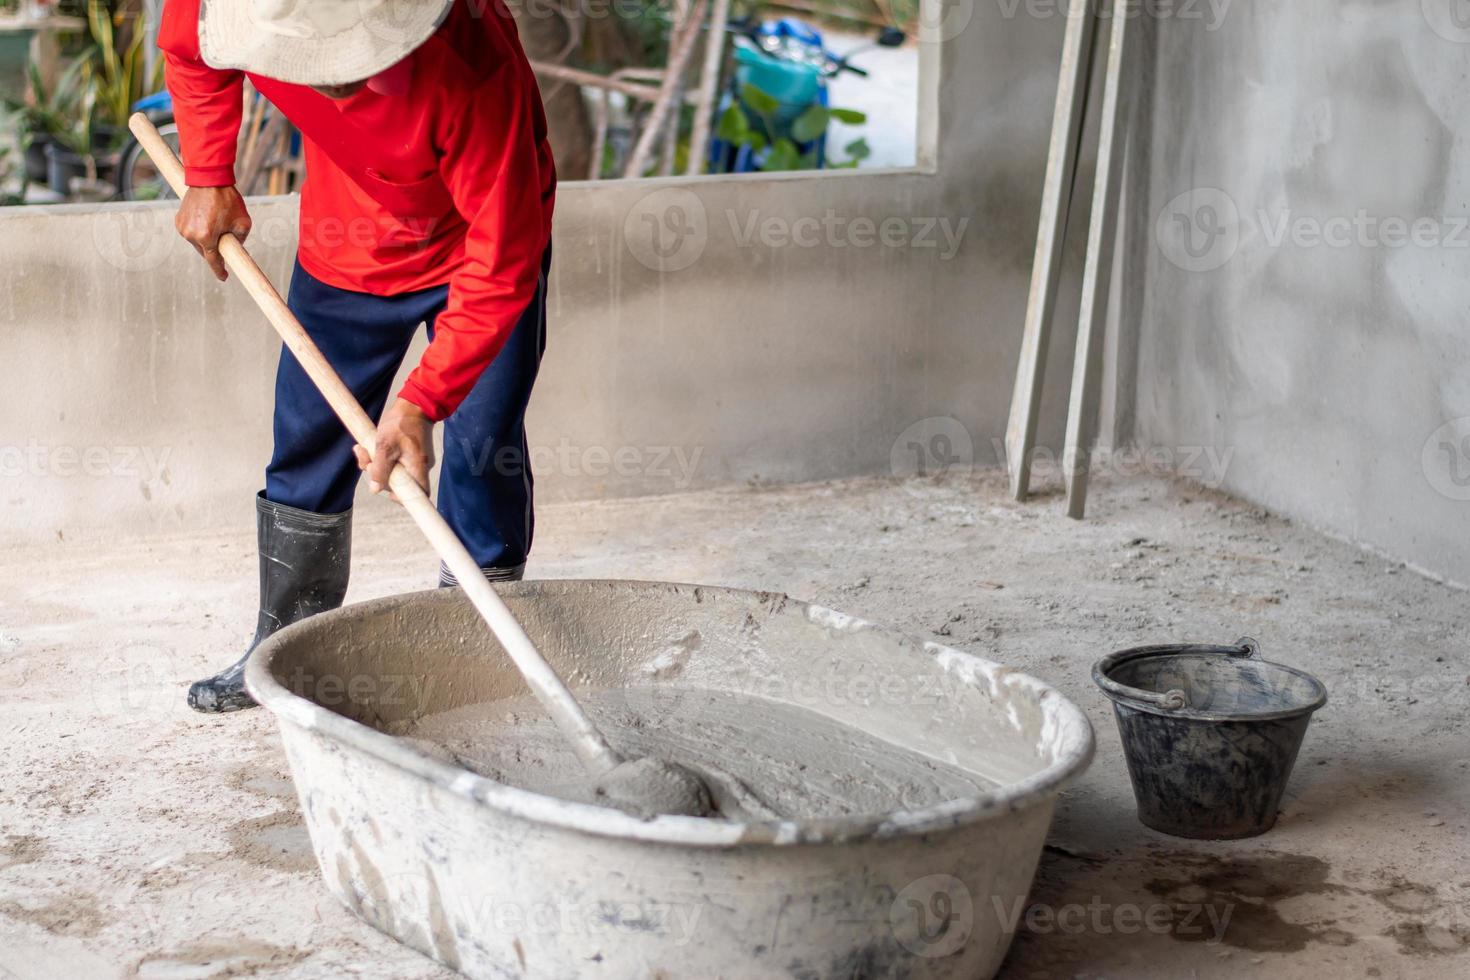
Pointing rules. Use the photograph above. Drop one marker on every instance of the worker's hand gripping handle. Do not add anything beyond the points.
(338, 395)
(593, 749)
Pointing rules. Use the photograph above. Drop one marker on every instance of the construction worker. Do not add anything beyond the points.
(428, 199)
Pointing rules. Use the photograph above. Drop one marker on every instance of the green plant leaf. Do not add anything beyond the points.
(99, 26)
(118, 69)
(783, 156)
(810, 125)
(850, 116)
(733, 127)
(762, 102)
(858, 149)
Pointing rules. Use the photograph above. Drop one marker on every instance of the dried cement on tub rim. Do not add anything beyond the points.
(1065, 729)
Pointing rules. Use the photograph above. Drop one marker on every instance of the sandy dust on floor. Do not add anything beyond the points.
(138, 839)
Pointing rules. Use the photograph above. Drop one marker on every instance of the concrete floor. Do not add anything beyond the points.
(140, 840)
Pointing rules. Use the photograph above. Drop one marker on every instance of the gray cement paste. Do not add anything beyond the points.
(796, 762)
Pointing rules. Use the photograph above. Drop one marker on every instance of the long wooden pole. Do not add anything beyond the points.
(586, 740)
(709, 83)
(1046, 265)
(647, 93)
(681, 50)
(1082, 410)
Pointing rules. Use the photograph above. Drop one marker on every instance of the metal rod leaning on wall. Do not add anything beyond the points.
(1093, 312)
(1061, 165)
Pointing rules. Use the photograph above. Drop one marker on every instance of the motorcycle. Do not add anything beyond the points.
(136, 177)
(776, 111)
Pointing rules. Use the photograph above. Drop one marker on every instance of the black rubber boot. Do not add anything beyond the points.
(304, 561)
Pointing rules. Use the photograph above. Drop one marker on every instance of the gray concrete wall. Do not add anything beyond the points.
(1306, 293)
(802, 352)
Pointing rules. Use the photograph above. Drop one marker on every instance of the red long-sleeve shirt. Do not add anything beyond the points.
(450, 180)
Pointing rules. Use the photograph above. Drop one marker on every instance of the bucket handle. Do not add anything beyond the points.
(1174, 699)
(1171, 700)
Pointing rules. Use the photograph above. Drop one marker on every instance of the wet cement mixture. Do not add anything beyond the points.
(141, 840)
(796, 763)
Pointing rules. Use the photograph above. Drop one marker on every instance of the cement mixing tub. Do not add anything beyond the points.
(496, 881)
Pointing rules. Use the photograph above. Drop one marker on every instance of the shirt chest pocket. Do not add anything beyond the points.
(414, 207)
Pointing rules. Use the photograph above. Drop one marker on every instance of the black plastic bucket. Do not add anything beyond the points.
(1210, 733)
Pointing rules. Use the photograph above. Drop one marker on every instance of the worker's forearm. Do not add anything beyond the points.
(476, 323)
(207, 110)
(207, 101)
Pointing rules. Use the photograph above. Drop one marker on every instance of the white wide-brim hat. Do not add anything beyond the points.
(315, 42)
